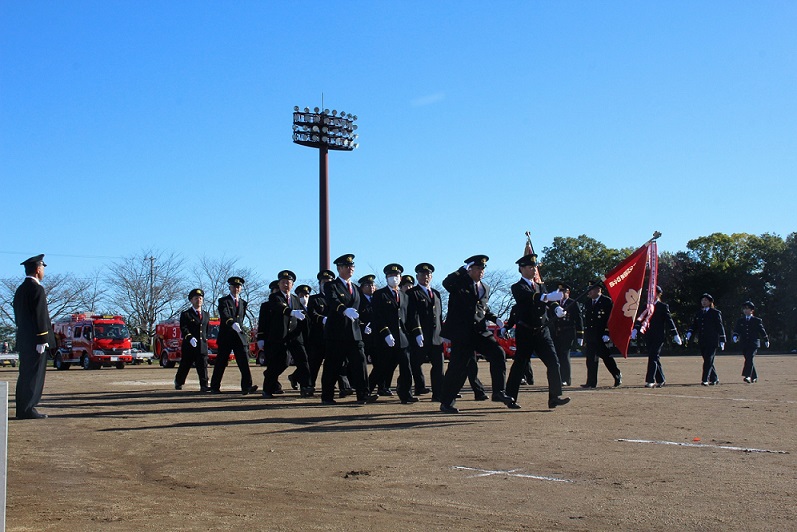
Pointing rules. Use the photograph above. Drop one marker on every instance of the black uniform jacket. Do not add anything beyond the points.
(424, 314)
(316, 312)
(262, 321)
(282, 326)
(572, 323)
(596, 319)
(661, 324)
(228, 315)
(531, 311)
(467, 312)
(390, 316)
(708, 328)
(750, 331)
(338, 299)
(192, 326)
(32, 317)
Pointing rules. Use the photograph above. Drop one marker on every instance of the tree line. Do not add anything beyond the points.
(151, 285)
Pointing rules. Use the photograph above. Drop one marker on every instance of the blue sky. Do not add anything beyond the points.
(130, 125)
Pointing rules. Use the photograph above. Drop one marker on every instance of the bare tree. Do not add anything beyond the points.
(93, 296)
(147, 286)
(211, 276)
(500, 283)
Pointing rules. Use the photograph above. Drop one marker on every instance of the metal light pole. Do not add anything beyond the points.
(325, 131)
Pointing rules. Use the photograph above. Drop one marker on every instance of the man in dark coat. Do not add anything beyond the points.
(707, 327)
(596, 337)
(232, 311)
(285, 338)
(194, 350)
(34, 336)
(660, 326)
(566, 330)
(343, 335)
(466, 327)
(390, 326)
(424, 311)
(749, 330)
(532, 334)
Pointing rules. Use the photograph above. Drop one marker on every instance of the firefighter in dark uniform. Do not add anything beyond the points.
(303, 293)
(262, 322)
(596, 336)
(317, 344)
(343, 335)
(390, 327)
(749, 330)
(424, 310)
(34, 336)
(466, 327)
(285, 338)
(532, 334)
(710, 332)
(232, 310)
(567, 329)
(367, 288)
(660, 326)
(194, 350)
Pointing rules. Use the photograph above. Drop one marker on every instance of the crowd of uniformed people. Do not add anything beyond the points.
(335, 331)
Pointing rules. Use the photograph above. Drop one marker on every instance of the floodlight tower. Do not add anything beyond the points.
(325, 131)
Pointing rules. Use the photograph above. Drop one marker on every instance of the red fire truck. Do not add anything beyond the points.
(92, 341)
(169, 341)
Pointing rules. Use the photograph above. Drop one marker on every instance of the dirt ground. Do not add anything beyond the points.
(123, 450)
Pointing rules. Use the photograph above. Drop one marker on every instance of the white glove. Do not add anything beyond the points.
(580, 342)
(553, 296)
(500, 323)
(722, 346)
(766, 344)
(298, 314)
(560, 312)
(260, 344)
(688, 336)
(351, 313)
(735, 339)
(677, 340)
(390, 341)
(445, 340)
(419, 339)
(502, 332)
(605, 339)
(367, 329)
(236, 327)
(324, 321)
(41, 347)
(193, 342)
(633, 334)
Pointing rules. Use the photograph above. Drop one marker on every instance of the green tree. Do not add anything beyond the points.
(579, 260)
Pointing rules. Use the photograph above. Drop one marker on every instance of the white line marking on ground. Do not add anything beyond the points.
(144, 383)
(687, 444)
(511, 473)
(665, 394)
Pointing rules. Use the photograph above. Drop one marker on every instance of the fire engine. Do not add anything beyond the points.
(92, 341)
(169, 342)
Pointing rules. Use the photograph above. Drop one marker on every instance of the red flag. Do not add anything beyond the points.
(624, 284)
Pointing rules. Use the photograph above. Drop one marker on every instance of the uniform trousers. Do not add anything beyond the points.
(563, 342)
(392, 357)
(538, 342)
(655, 371)
(434, 355)
(188, 359)
(30, 382)
(593, 351)
(748, 370)
(463, 353)
(278, 356)
(223, 359)
(709, 373)
(339, 353)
